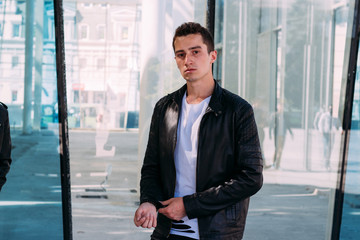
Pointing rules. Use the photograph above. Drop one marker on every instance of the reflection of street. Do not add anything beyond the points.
(293, 154)
(351, 208)
(104, 211)
(111, 218)
(291, 200)
(31, 198)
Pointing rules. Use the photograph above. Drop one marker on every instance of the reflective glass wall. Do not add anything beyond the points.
(350, 219)
(30, 201)
(119, 62)
(289, 60)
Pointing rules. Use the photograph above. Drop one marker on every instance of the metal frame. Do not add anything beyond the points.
(210, 16)
(63, 122)
(349, 97)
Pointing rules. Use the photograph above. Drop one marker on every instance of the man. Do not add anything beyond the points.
(5, 144)
(203, 158)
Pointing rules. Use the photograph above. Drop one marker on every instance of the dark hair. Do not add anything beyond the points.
(195, 28)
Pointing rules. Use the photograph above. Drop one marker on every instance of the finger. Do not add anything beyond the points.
(154, 222)
(163, 210)
(145, 224)
(150, 223)
(142, 221)
(135, 221)
(167, 202)
(137, 215)
(139, 222)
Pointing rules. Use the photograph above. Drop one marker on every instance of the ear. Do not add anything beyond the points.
(213, 56)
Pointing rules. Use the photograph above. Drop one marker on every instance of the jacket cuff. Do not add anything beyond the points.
(190, 205)
(157, 204)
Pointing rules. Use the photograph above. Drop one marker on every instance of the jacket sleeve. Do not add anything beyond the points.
(150, 183)
(246, 178)
(5, 146)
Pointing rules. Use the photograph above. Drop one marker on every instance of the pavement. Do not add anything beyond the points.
(104, 176)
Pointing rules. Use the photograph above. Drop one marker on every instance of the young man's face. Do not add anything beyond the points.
(193, 59)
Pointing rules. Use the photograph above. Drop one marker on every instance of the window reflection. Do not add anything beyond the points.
(31, 198)
(351, 212)
(288, 59)
(105, 92)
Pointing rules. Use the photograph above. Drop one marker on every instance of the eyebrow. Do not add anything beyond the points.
(192, 48)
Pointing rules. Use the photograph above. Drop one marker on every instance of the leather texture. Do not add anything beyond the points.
(229, 164)
(5, 144)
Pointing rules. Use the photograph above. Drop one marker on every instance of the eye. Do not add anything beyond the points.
(195, 52)
(180, 55)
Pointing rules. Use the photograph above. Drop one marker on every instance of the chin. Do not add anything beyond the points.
(190, 80)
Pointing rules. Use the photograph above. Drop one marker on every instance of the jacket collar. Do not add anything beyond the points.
(215, 104)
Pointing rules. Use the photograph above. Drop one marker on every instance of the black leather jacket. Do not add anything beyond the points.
(229, 164)
(5, 144)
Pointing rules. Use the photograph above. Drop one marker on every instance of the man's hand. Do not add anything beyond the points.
(174, 209)
(145, 215)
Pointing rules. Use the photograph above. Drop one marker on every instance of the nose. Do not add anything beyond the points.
(188, 59)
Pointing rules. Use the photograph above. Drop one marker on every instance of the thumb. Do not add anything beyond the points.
(138, 215)
(165, 203)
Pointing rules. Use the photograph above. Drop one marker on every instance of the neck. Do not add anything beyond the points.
(199, 90)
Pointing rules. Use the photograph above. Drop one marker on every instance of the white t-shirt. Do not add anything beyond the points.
(186, 160)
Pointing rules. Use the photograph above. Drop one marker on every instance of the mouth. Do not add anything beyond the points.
(189, 70)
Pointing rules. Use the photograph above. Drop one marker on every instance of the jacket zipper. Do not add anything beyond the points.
(207, 111)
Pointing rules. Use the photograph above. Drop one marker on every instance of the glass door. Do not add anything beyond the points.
(30, 200)
(350, 221)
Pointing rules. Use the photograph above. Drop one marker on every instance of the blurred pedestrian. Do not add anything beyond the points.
(326, 124)
(280, 126)
(5, 144)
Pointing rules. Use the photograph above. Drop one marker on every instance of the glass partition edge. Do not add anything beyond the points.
(63, 122)
(350, 83)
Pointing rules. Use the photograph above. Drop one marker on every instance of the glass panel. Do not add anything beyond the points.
(30, 201)
(107, 87)
(351, 206)
(289, 60)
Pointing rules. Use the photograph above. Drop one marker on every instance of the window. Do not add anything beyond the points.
(16, 30)
(122, 62)
(69, 30)
(100, 32)
(276, 62)
(50, 33)
(124, 33)
(76, 96)
(14, 61)
(98, 97)
(84, 97)
(87, 5)
(84, 32)
(100, 63)
(41, 192)
(14, 95)
(82, 63)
